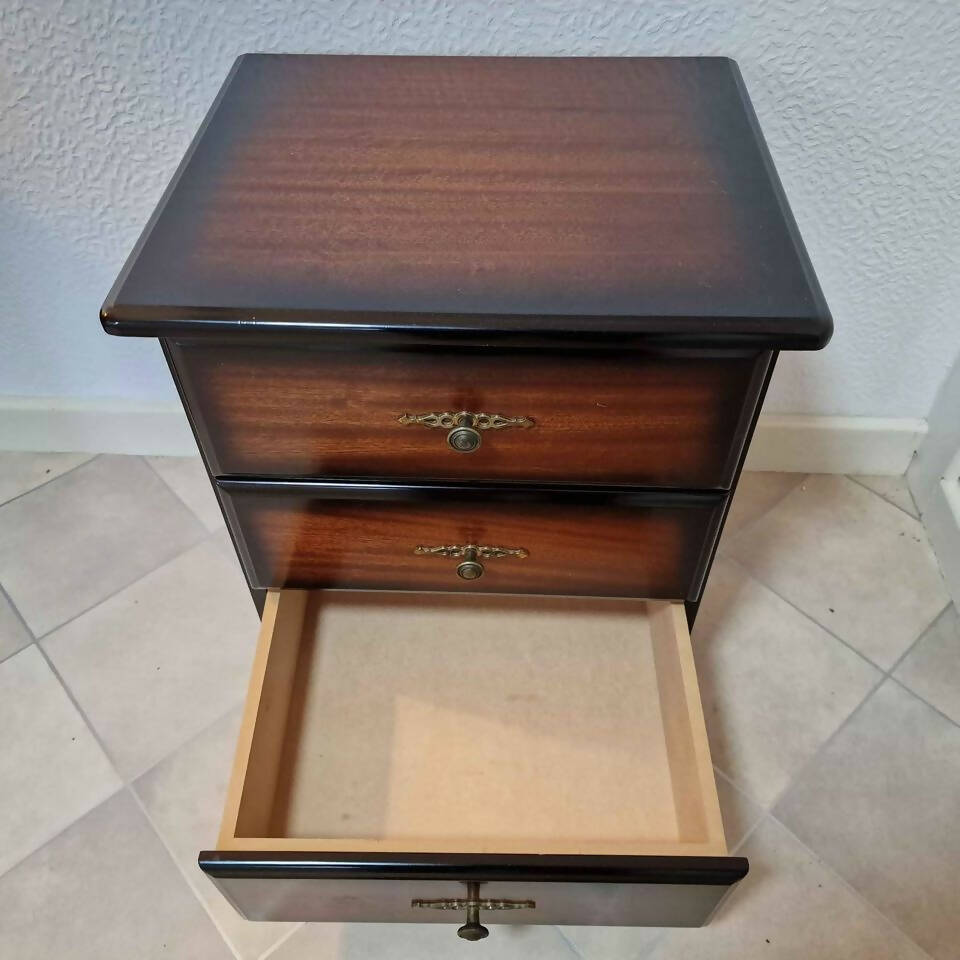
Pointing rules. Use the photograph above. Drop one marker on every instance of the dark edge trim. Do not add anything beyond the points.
(477, 490)
(259, 595)
(107, 317)
(692, 606)
(748, 415)
(533, 330)
(526, 868)
(738, 453)
(707, 550)
(240, 545)
(226, 509)
(388, 343)
(820, 337)
(174, 350)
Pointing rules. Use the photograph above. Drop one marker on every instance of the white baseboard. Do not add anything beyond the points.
(797, 443)
(45, 424)
(857, 445)
(934, 479)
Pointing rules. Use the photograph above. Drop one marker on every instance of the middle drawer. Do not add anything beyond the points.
(637, 417)
(586, 541)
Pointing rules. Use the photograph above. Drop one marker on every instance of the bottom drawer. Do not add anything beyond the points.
(425, 757)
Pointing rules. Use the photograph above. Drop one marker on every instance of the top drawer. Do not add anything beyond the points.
(656, 419)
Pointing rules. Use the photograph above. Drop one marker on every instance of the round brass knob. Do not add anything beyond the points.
(470, 569)
(473, 929)
(464, 438)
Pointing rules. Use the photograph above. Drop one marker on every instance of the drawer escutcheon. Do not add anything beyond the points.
(473, 903)
(471, 568)
(464, 427)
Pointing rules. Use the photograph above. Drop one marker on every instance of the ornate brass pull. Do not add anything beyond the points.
(464, 427)
(473, 929)
(471, 568)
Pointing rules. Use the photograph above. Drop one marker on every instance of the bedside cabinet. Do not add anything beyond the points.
(473, 349)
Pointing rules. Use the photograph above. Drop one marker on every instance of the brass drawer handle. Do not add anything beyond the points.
(464, 427)
(471, 568)
(473, 929)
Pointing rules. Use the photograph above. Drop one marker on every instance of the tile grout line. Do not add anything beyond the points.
(131, 786)
(926, 703)
(179, 868)
(37, 642)
(128, 785)
(571, 946)
(744, 568)
(798, 774)
(723, 775)
(26, 626)
(37, 639)
(10, 656)
(59, 476)
(926, 629)
(61, 832)
(96, 739)
(776, 503)
(161, 478)
(803, 613)
(19, 616)
(853, 478)
(735, 852)
(805, 766)
(887, 673)
(736, 786)
(241, 700)
(272, 950)
(125, 586)
(847, 885)
(83, 715)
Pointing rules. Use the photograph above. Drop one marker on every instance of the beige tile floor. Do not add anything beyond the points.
(828, 654)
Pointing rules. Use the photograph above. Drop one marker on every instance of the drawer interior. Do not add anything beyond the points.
(480, 724)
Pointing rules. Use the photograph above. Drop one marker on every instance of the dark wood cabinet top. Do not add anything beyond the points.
(493, 197)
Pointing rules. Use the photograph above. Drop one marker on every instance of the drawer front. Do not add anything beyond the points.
(295, 895)
(589, 544)
(640, 418)
(299, 841)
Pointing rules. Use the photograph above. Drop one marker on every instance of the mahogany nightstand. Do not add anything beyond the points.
(487, 337)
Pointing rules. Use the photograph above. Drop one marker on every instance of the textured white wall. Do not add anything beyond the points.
(858, 101)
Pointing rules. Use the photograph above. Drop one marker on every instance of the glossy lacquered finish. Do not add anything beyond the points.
(543, 198)
(601, 246)
(581, 542)
(625, 891)
(646, 418)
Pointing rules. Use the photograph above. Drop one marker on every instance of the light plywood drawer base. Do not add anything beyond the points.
(397, 746)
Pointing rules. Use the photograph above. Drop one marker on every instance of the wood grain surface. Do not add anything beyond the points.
(494, 194)
(637, 418)
(594, 547)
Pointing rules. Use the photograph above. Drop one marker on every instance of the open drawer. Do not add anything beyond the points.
(438, 758)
